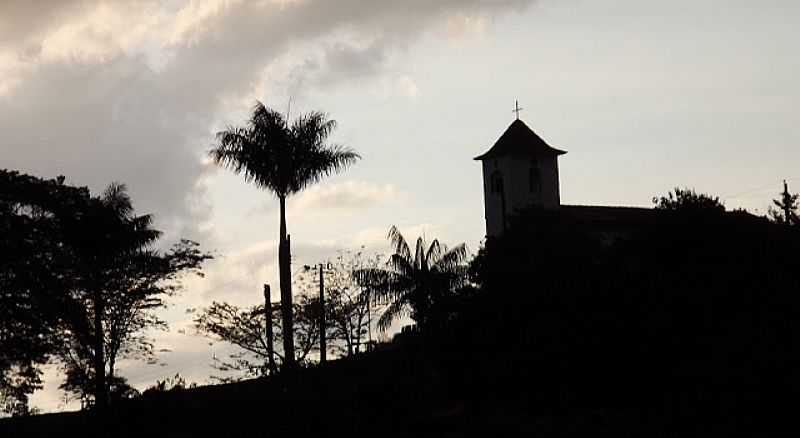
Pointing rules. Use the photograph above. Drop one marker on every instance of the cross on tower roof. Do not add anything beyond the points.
(517, 109)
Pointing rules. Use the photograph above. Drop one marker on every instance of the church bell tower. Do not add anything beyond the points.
(519, 171)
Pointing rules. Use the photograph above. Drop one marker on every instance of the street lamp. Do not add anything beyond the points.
(323, 350)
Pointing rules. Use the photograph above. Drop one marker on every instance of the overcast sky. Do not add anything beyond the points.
(645, 96)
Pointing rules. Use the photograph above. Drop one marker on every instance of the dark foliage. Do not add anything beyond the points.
(682, 327)
(79, 385)
(786, 208)
(115, 283)
(688, 200)
(418, 284)
(281, 157)
(391, 391)
(246, 329)
(32, 292)
(685, 326)
(350, 309)
(175, 383)
(79, 280)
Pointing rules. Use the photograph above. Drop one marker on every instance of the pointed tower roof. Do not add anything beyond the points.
(519, 139)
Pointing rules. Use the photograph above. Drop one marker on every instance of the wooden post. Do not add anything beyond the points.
(270, 335)
(323, 353)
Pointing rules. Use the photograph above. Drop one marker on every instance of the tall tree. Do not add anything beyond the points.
(32, 258)
(116, 283)
(79, 279)
(787, 207)
(415, 284)
(245, 328)
(284, 158)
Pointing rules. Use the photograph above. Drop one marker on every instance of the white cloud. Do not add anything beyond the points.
(346, 198)
(408, 86)
(132, 91)
(340, 200)
(461, 25)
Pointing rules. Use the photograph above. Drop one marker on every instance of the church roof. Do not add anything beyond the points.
(519, 139)
(608, 217)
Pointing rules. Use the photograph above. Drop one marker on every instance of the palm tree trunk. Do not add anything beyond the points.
(284, 262)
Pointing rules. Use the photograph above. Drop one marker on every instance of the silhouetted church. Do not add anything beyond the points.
(521, 171)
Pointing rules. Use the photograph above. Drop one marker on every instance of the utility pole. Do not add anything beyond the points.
(787, 204)
(323, 351)
(369, 321)
(270, 335)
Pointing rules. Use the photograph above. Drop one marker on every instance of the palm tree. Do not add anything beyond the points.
(414, 283)
(284, 159)
(106, 236)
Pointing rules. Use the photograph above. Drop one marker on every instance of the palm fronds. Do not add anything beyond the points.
(399, 244)
(412, 285)
(280, 157)
(394, 311)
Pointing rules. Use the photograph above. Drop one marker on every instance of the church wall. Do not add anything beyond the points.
(515, 172)
(521, 196)
(492, 201)
(550, 183)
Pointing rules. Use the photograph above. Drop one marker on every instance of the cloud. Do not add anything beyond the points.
(340, 199)
(345, 198)
(132, 91)
(407, 86)
(348, 196)
(238, 277)
(347, 60)
(112, 123)
(22, 20)
(461, 25)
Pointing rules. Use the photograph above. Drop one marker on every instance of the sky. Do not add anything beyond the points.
(644, 95)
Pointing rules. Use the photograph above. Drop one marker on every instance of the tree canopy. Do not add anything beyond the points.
(33, 266)
(786, 207)
(415, 284)
(348, 309)
(278, 156)
(245, 328)
(688, 200)
(80, 280)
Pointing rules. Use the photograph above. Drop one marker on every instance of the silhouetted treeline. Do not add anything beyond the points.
(679, 323)
(80, 282)
(686, 324)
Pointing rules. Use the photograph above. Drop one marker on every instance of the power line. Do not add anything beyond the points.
(760, 189)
